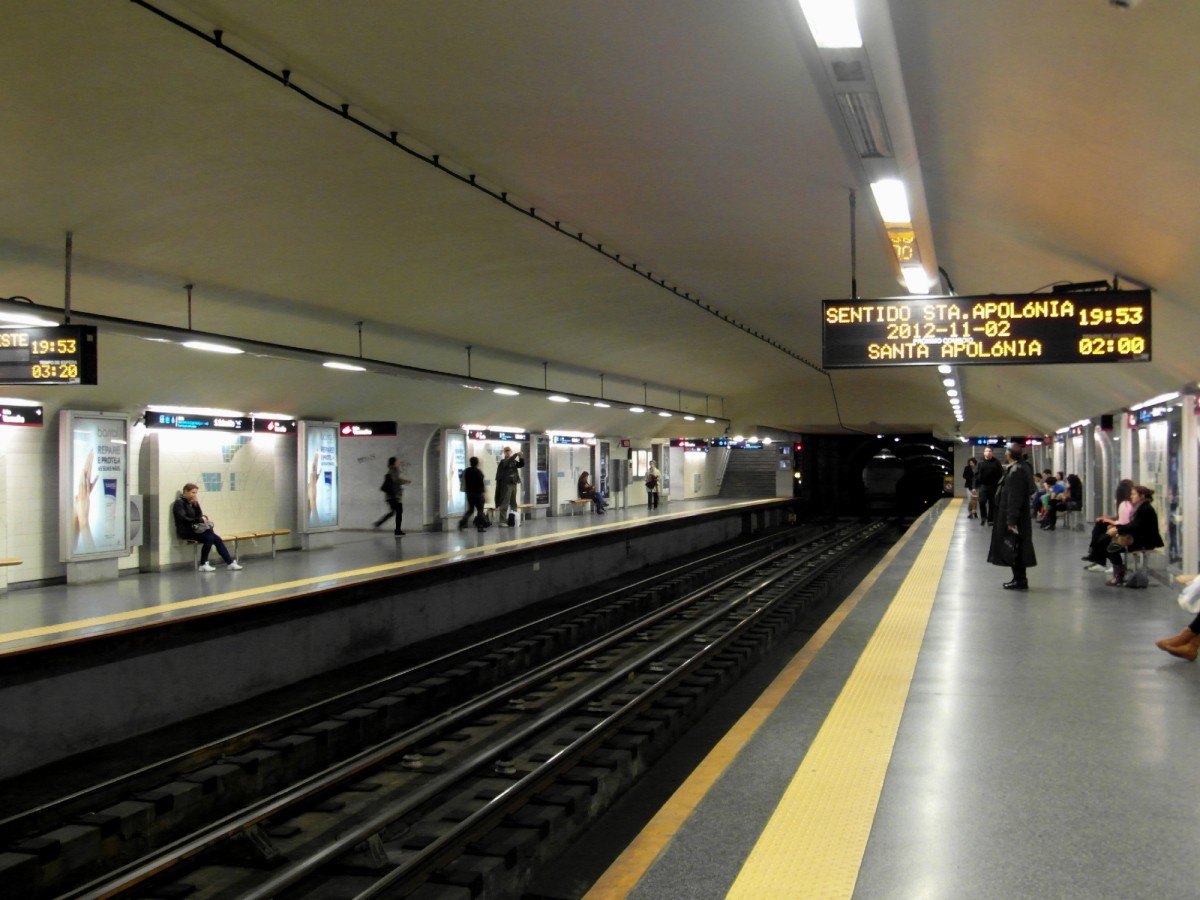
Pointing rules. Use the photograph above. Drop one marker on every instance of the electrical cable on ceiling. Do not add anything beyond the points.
(342, 110)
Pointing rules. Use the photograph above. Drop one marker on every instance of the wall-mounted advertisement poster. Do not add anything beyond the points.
(318, 501)
(93, 487)
(456, 457)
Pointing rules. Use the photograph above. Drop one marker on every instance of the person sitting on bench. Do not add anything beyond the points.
(587, 491)
(191, 524)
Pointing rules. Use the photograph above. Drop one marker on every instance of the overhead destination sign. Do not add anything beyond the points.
(1089, 327)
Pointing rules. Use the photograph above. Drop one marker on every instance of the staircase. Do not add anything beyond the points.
(750, 473)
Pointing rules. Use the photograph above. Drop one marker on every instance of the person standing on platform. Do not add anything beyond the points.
(987, 479)
(473, 488)
(507, 480)
(393, 489)
(652, 487)
(969, 484)
(191, 524)
(1014, 520)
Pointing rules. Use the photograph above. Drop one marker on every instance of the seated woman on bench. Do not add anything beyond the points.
(587, 491)
(191, 524)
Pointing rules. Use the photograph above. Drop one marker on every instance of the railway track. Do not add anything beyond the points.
(460, 775)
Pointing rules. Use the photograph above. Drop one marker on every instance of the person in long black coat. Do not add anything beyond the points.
(1014, 516)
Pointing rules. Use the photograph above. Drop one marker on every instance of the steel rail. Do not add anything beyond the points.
(185, 848)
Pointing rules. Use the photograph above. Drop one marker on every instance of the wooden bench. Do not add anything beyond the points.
(578, 504)
(529, 511)
(10, 561)
(237, 538)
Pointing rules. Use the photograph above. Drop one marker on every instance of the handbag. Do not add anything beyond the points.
(1010, 549)
(201, 527)
(1121, 543)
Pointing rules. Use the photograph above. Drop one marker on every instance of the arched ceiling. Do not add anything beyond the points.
(697, 140)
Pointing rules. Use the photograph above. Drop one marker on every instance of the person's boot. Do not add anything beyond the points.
(1182, 638)
(1187, 650)
(1118, 575)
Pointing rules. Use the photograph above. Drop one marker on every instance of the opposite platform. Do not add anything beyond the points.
(58, 614)
(99, 663)
(941, 737)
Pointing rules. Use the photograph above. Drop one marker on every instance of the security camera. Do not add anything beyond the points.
(1124, 4)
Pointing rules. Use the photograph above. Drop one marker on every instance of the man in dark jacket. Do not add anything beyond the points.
(987, 479)
(393, 489)
(472, 485)
(1014, 521)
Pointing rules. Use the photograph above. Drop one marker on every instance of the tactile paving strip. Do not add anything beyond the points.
(813, 844)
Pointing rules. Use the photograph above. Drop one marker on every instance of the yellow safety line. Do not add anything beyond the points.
(629, 868)
(147, 612)
(818, 833)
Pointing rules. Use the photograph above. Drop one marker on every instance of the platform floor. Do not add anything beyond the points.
(941, 737)
(39, 617)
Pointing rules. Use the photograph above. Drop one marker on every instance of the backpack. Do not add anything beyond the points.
(386, 487)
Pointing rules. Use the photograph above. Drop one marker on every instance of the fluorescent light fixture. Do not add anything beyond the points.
(507, 392)
(833, 23)
(892, 200)
(271, 415)
(948, 382)
(558, 398)
(951, 392)
(582, 402)
(212, 348)
(602, 405)
(916, 279)
(13, 401)
(1063, 430)
(344, 366)
(1155, 401)
(945, 370)
(578, 434)
(689, 418)
(864, 119)
(8, 319)
(665, 414)
(710, 421)
(636, 409)
(767, 442)
(739, 437)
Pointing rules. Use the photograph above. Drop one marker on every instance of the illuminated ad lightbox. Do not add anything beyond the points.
(455, 453)
(318, 476)
(93, 484)
(1085, 327)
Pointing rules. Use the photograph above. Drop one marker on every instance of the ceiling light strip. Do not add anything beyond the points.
(343, 111)
(230, 344)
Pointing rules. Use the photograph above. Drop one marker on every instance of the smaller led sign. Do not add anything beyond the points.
(22, 415)
(367, 429)
(191, 422)
(690, 443)
(65, 354)
(570, 439)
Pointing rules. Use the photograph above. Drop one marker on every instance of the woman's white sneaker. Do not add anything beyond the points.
(206, 567)
(235, 565)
